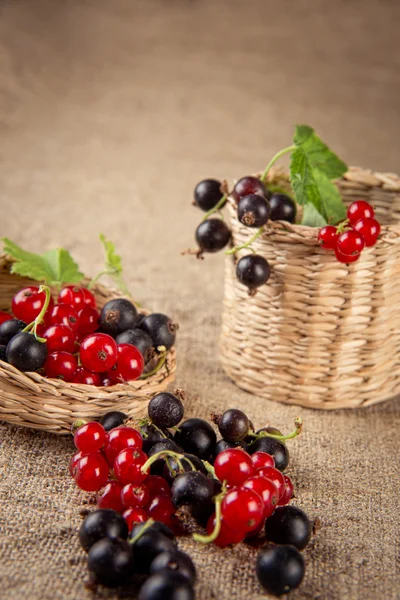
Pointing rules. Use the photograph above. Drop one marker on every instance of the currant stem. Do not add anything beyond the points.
(32, 327)
(162, 454)
(145, 527)
(246, 244)
(209, 467)
(207, 539)
(298, 424)
(216, 207)
(159, 365)
(275, 158)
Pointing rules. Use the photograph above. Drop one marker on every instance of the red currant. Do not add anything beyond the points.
(88, 298)
(161, 509)
(369, 229)
(90, 437)
(4, 316)
(275, 476)
(234, 466)
(86, 377)
(88, 320)
(107, 382)
(98, 352)
(62, 314)
(60, 337)
(75, 458)
(327, 237)
(27, 304)
(242, 509)
(73, 296)
(287, 492)
(344, 258)
(60, 365)
(129, 365)
(227, 535)
(350, 243)
(135, 495)
(134, 515)
(91, 472)
(128, 466)
(267, 490)
(157, 486)
(262, 459)
(110, 496)
(119, 439)
(360, 209)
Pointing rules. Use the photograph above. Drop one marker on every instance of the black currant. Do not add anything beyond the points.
(25, 352)
(157, 467)
(234, 425)
(207, 194)
(148, 546)
(151, 435)
(165, 585)
(140, 339)
(113, 419)
(283, 208)
(156, 526)
(3, 353)
(165, 410)
(10, 328)
(102, 523)
(172, 469)
(279, 569)
(160, 328)
(197, 437)
(275, 448)
(249, 185)
(288, 525)
(253, 270)
(177, 562)
(191, 488)
(111, 561)
(212, 235)
(117, 315)
(222, 445)
(253, 210)
(202, 512)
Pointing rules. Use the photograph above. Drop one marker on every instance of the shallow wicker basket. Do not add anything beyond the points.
(320, 333)
(30, 400)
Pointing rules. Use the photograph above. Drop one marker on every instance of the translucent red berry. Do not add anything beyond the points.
(369, 229)
(344, 258)
(275, 476)
(4, 316)
(60, 365)
(242, 509)
(360, 209)
(87, 377)
(350, 243)
(327, 237)
(234, 466)
(157, 486)
(262, 459)
(63, 314)
(128, 466)
(110, 496)
(227, 535)
(27, 304)
(73, 296)
(88, 320)
(90, 437)
(129, 365)
(267, 490)
(119, 439)
(135, 495)
(91, 472)
(88, 298)
(60, 337)
(98, 352)
(135, 515)
(287, 492)
(161, 508)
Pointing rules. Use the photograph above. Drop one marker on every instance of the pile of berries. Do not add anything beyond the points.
(158, 472)
(255, 206)
(359, 231)
(72, 340)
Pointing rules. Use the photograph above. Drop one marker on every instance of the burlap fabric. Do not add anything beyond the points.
(110, 112)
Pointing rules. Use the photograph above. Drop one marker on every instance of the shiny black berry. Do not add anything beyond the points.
(158, 466)
(249, 185)
(222, 445)
(148, 546)
(165, 585)
(283, 208)
(113, 419)
(117, 315)
(151, 435)
(212, 235)
(191, 488)
(253, 210)
(25, 352)
(160, 328)
(234, 425)
(279, 569)
(3, 353)
(140, 339)
(275, 448)
(165, 410)
(172, 468)
(207, 194)
(253, 271)
(102, 523)
(197, 437)
(156, 526)
(111, 562)
(288, 525)
(10, 328)
(176, 562)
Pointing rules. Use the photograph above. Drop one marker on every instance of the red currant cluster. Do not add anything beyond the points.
(360, 230)
(234, 488)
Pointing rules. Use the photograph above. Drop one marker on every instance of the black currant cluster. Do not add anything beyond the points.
(255, 206)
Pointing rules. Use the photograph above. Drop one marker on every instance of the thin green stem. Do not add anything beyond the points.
(275, 158)
(32, 327)
(98, 276)
(209, 467)
(143, 530)
(246, 244)
(162, 454)
(216, 208)
(298, 427)
(158, 366)
(207, 539)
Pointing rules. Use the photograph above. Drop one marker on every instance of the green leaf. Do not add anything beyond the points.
(318, 154)
(333, 208)
(302, 133)
(311, 217)
(54, 267)
(113, 261)
(303, 180)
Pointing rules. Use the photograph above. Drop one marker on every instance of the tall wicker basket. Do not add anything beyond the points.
(30, 400)
(320, 334)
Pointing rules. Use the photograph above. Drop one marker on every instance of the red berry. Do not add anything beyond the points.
(129, 365)
(60, 337)
(62, 314)
(161, 508)
(128, 466)
(242, 509)
(135, 495)
(88, 298)
(75, 458)
(27, 304)
(4, 316)
(157, 486)
(343, 258)
(90, 437)
(275, 476)
(287, 492)
(73, 296)
(262, 459)
(369, 229)
(88, 320)
(327, 237)
(227, 535)
(110, 496)
(60, 365)
(234, 466)
(91, 472)
(98, 352)
(119, 439)
(267, 490)
(134, 515)
(86, 377)
(350, 243)
(359, 210)
(106, 382)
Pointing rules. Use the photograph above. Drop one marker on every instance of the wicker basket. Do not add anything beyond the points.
(320, 333)
(30, 400)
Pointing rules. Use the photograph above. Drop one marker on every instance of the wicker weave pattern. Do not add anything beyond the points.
(320, 334)
(34, 401)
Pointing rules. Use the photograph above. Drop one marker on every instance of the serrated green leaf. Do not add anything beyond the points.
(311, 217)
(113, 261)
(303, 180)
(302, 133)
(63, 266)
(318, 154)
(333, 208)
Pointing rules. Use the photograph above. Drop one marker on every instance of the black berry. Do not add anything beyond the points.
(160, 328)
(148, 546)
(283, 208)
(191, 488)
(275, 448)
(140, 339)
(288, 525)
(165, 410)
(234, 425)
(279, 569)
(253, 271)
(102, 523)
(111, 561)
(207, 194)
(25, 352)
(165, 585)
(156, 526)
(177, 562)
(151, 435)
(3, 353)
(253, 210)
(113, 419)
(212, 235)
(10, 328)
(197, 437)
(249, 185)
(117, 316)
(222, 445)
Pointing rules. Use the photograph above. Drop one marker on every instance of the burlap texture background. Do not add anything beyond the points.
(110, 113)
